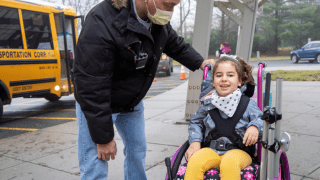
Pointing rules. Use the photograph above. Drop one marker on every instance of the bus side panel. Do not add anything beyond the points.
(34, 67)
(36, 70)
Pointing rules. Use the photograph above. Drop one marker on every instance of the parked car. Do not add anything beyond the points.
(309, 52)
(165, 65)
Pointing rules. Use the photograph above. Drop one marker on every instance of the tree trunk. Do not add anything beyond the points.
(276, 35)
(185, 30)
(222, 38)
(300, 37)
(227, 29)
(181, 20)
(184, 12)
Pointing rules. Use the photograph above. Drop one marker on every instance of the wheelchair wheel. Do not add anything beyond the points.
(284, 167)
(1, 108)
(282, 172)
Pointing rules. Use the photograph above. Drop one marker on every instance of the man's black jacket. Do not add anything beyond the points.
(105, 77)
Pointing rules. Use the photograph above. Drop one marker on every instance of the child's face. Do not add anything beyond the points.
(226, 79)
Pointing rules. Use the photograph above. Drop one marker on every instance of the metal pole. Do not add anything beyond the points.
(279, 96)
(258, 57)
(259, 93)
(200, 43)
(265, 152)
(278, 124)
(270, 155)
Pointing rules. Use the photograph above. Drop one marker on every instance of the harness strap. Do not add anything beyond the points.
(226, 128)
(237, 140)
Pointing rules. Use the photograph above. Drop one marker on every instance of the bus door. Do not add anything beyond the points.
(66, 35)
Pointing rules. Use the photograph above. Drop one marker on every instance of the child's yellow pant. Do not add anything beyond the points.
(231, 164)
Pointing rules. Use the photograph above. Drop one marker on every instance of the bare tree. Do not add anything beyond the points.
(223, 27)
(224, 24)
(185, 10)
(82, 7)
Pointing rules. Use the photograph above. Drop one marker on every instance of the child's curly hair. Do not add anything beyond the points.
(243, 69)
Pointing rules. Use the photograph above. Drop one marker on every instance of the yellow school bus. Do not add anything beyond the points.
(37, 43)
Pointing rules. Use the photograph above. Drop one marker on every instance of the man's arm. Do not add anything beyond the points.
(183, 52)
(180, 51)
(93, 71)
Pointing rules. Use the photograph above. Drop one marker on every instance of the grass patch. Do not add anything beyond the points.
(270, 58)
(295, 75)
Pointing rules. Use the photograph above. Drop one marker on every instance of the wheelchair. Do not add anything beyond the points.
(270, 160)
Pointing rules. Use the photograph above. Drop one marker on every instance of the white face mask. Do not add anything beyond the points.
(160, 17)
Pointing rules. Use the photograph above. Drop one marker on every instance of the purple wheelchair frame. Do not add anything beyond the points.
(283, 156)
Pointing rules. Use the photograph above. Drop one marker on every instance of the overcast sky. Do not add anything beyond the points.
(175, 21)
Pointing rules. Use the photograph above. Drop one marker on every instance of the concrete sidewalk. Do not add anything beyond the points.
(51, 153)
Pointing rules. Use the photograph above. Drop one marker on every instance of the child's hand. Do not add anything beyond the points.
(251, 136)
(194, 147)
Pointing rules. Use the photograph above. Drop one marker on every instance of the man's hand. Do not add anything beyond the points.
(107, 150)
(205, 62)
(194, 147)
(251, 136)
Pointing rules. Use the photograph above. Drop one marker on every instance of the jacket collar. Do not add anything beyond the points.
(119, 4)
(126, 19)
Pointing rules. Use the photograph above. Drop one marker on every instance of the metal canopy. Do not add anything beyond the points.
(201, 37)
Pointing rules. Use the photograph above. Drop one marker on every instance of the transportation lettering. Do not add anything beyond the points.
(15, 54)
(23, 54)
(39, 54)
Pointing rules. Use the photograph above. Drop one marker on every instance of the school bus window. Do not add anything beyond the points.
(10, 31)
(37, 29)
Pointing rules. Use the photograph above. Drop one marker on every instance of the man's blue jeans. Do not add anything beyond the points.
(131, 128)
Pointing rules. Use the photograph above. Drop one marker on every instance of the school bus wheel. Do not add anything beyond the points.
(52, 97)
(1, 108)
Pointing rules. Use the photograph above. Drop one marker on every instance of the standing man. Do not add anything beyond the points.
(117, 56)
